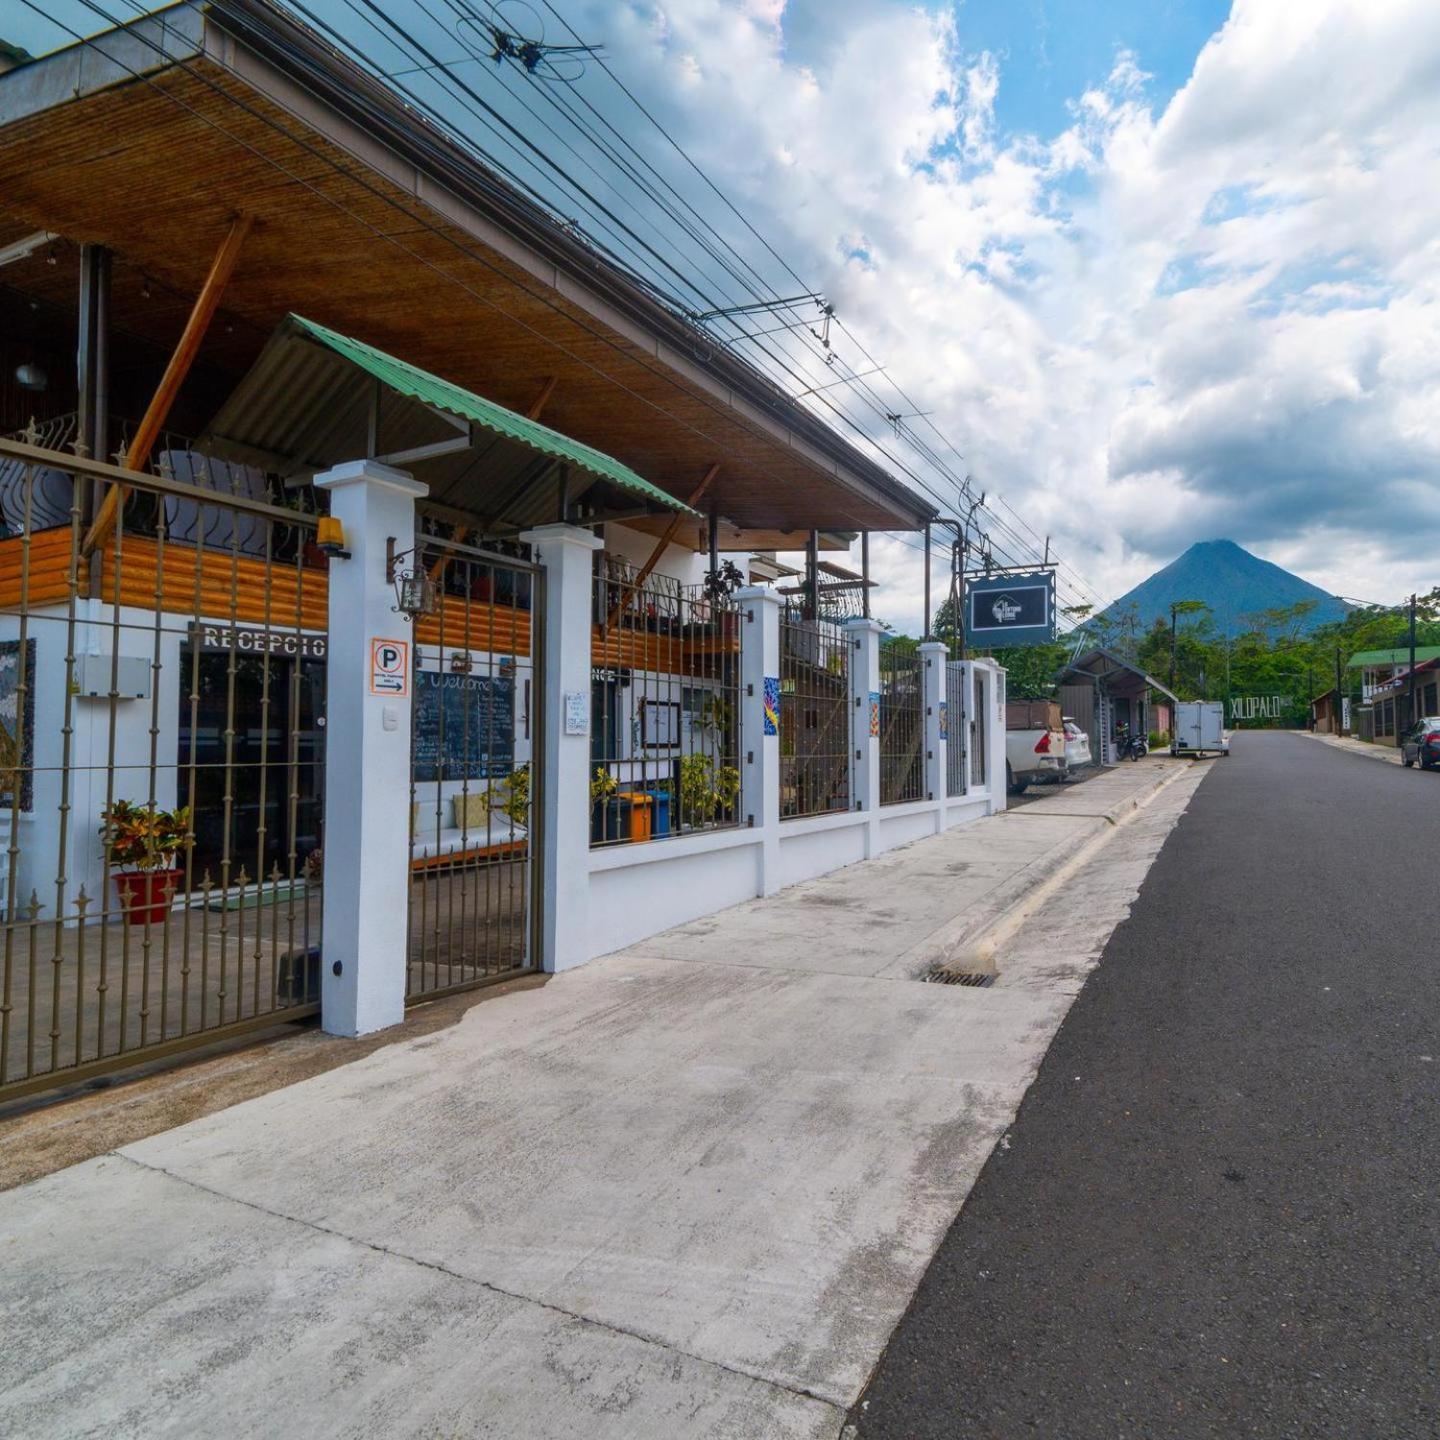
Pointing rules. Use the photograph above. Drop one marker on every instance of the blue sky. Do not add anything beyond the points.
(1050, 51)
(1156, 275)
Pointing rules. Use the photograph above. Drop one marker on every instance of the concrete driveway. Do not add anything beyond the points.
(686, 1190)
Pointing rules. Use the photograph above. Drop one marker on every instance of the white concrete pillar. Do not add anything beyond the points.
(934, 653)
(992, 717)
(566, 554)
(369, 685)
(865, 727)
(760, 726)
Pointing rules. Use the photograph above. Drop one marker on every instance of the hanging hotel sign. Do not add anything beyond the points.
(1012, 609)
(256, 640)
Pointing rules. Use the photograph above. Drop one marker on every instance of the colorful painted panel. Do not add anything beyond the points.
(874, 713)
(944, 720)
(772, 704)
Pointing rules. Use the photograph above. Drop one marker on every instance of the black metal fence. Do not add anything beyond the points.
(815, 709)
(473, 772)
(902, 722)
(664, 708)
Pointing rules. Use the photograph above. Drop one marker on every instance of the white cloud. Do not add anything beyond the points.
(1214, 318)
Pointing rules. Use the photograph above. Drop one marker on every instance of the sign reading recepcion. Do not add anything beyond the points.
(1016, 609)
(390, 667)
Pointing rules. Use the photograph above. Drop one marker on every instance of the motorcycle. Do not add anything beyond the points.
(1130, 747)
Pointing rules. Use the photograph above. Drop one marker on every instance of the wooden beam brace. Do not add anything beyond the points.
(676, 521)
(542, 399)
(206, 303)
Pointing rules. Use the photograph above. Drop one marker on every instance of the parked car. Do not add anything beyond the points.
(1422, 742)
(1077, 746)
(1033, 755)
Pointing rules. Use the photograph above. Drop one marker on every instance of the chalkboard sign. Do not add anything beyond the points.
(464, 727)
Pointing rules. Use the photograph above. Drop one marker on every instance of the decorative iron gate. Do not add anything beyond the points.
(958, 715)
(161, 762)
(902, 722)
(475, 771)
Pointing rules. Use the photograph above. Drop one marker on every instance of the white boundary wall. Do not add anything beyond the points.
(635, 891)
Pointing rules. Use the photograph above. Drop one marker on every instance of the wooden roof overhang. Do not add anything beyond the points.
(151, 139)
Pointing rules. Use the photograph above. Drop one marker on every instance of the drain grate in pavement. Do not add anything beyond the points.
(941, 976)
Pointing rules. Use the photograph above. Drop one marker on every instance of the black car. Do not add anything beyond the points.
(1422, 742)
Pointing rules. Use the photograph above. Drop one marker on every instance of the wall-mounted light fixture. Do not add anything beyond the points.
(31, 376)
(415, 592)
(330, 538)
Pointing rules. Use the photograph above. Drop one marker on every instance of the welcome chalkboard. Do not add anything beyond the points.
(464, 727)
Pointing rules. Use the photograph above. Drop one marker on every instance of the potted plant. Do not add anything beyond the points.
(706, 788)
(513, 794)
(603, 786)
(144, 841)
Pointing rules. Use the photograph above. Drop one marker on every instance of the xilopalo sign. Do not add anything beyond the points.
(1260, 707)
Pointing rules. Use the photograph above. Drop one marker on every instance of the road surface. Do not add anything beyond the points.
(1219, 1210)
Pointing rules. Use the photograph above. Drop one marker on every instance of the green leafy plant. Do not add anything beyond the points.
(602, 787)
(144, 837)
(706, 788)
(513, 794)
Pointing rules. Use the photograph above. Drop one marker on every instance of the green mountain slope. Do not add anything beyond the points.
(1232, 582)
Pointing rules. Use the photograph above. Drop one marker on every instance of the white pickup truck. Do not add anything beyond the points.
(1034, 743)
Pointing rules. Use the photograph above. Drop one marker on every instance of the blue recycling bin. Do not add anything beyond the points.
(660, 815)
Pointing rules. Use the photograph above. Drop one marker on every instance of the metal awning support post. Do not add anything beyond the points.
(812, 575)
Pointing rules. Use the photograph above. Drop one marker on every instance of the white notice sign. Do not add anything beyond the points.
(390, 667)
(577, 712)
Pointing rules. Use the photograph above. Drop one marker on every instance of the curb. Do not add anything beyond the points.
(979, 952)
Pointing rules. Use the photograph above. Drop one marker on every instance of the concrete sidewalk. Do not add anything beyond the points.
(686, 1190)
(1348, 743)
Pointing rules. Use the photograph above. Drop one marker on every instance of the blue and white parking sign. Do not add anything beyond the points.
(1010, 609)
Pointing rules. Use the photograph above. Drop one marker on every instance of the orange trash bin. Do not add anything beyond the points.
(640, 804)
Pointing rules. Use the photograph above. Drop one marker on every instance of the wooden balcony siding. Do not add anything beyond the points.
(499, 629)
(639, 649)
(49, 582)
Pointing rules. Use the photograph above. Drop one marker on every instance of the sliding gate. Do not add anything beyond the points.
(161, 761)
(475, 769)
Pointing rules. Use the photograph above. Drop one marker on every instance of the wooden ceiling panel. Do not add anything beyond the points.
(156, 170)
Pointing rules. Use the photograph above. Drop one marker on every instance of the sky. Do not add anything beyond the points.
(1161, 271)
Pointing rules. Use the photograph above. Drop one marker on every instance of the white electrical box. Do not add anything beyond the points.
(94, 677)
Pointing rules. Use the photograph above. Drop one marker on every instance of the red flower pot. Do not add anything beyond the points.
(145, 895)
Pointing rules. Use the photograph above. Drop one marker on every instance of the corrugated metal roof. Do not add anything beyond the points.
(1400, 655)
(306, 403)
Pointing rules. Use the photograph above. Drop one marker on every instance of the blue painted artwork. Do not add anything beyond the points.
(772, 704)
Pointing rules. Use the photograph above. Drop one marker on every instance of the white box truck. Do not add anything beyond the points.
(1200, 728)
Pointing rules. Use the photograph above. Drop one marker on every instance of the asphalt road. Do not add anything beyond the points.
(1219, 1211)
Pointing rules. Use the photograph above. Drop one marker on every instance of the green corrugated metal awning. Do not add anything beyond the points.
(1400, 655)
(431, 390)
